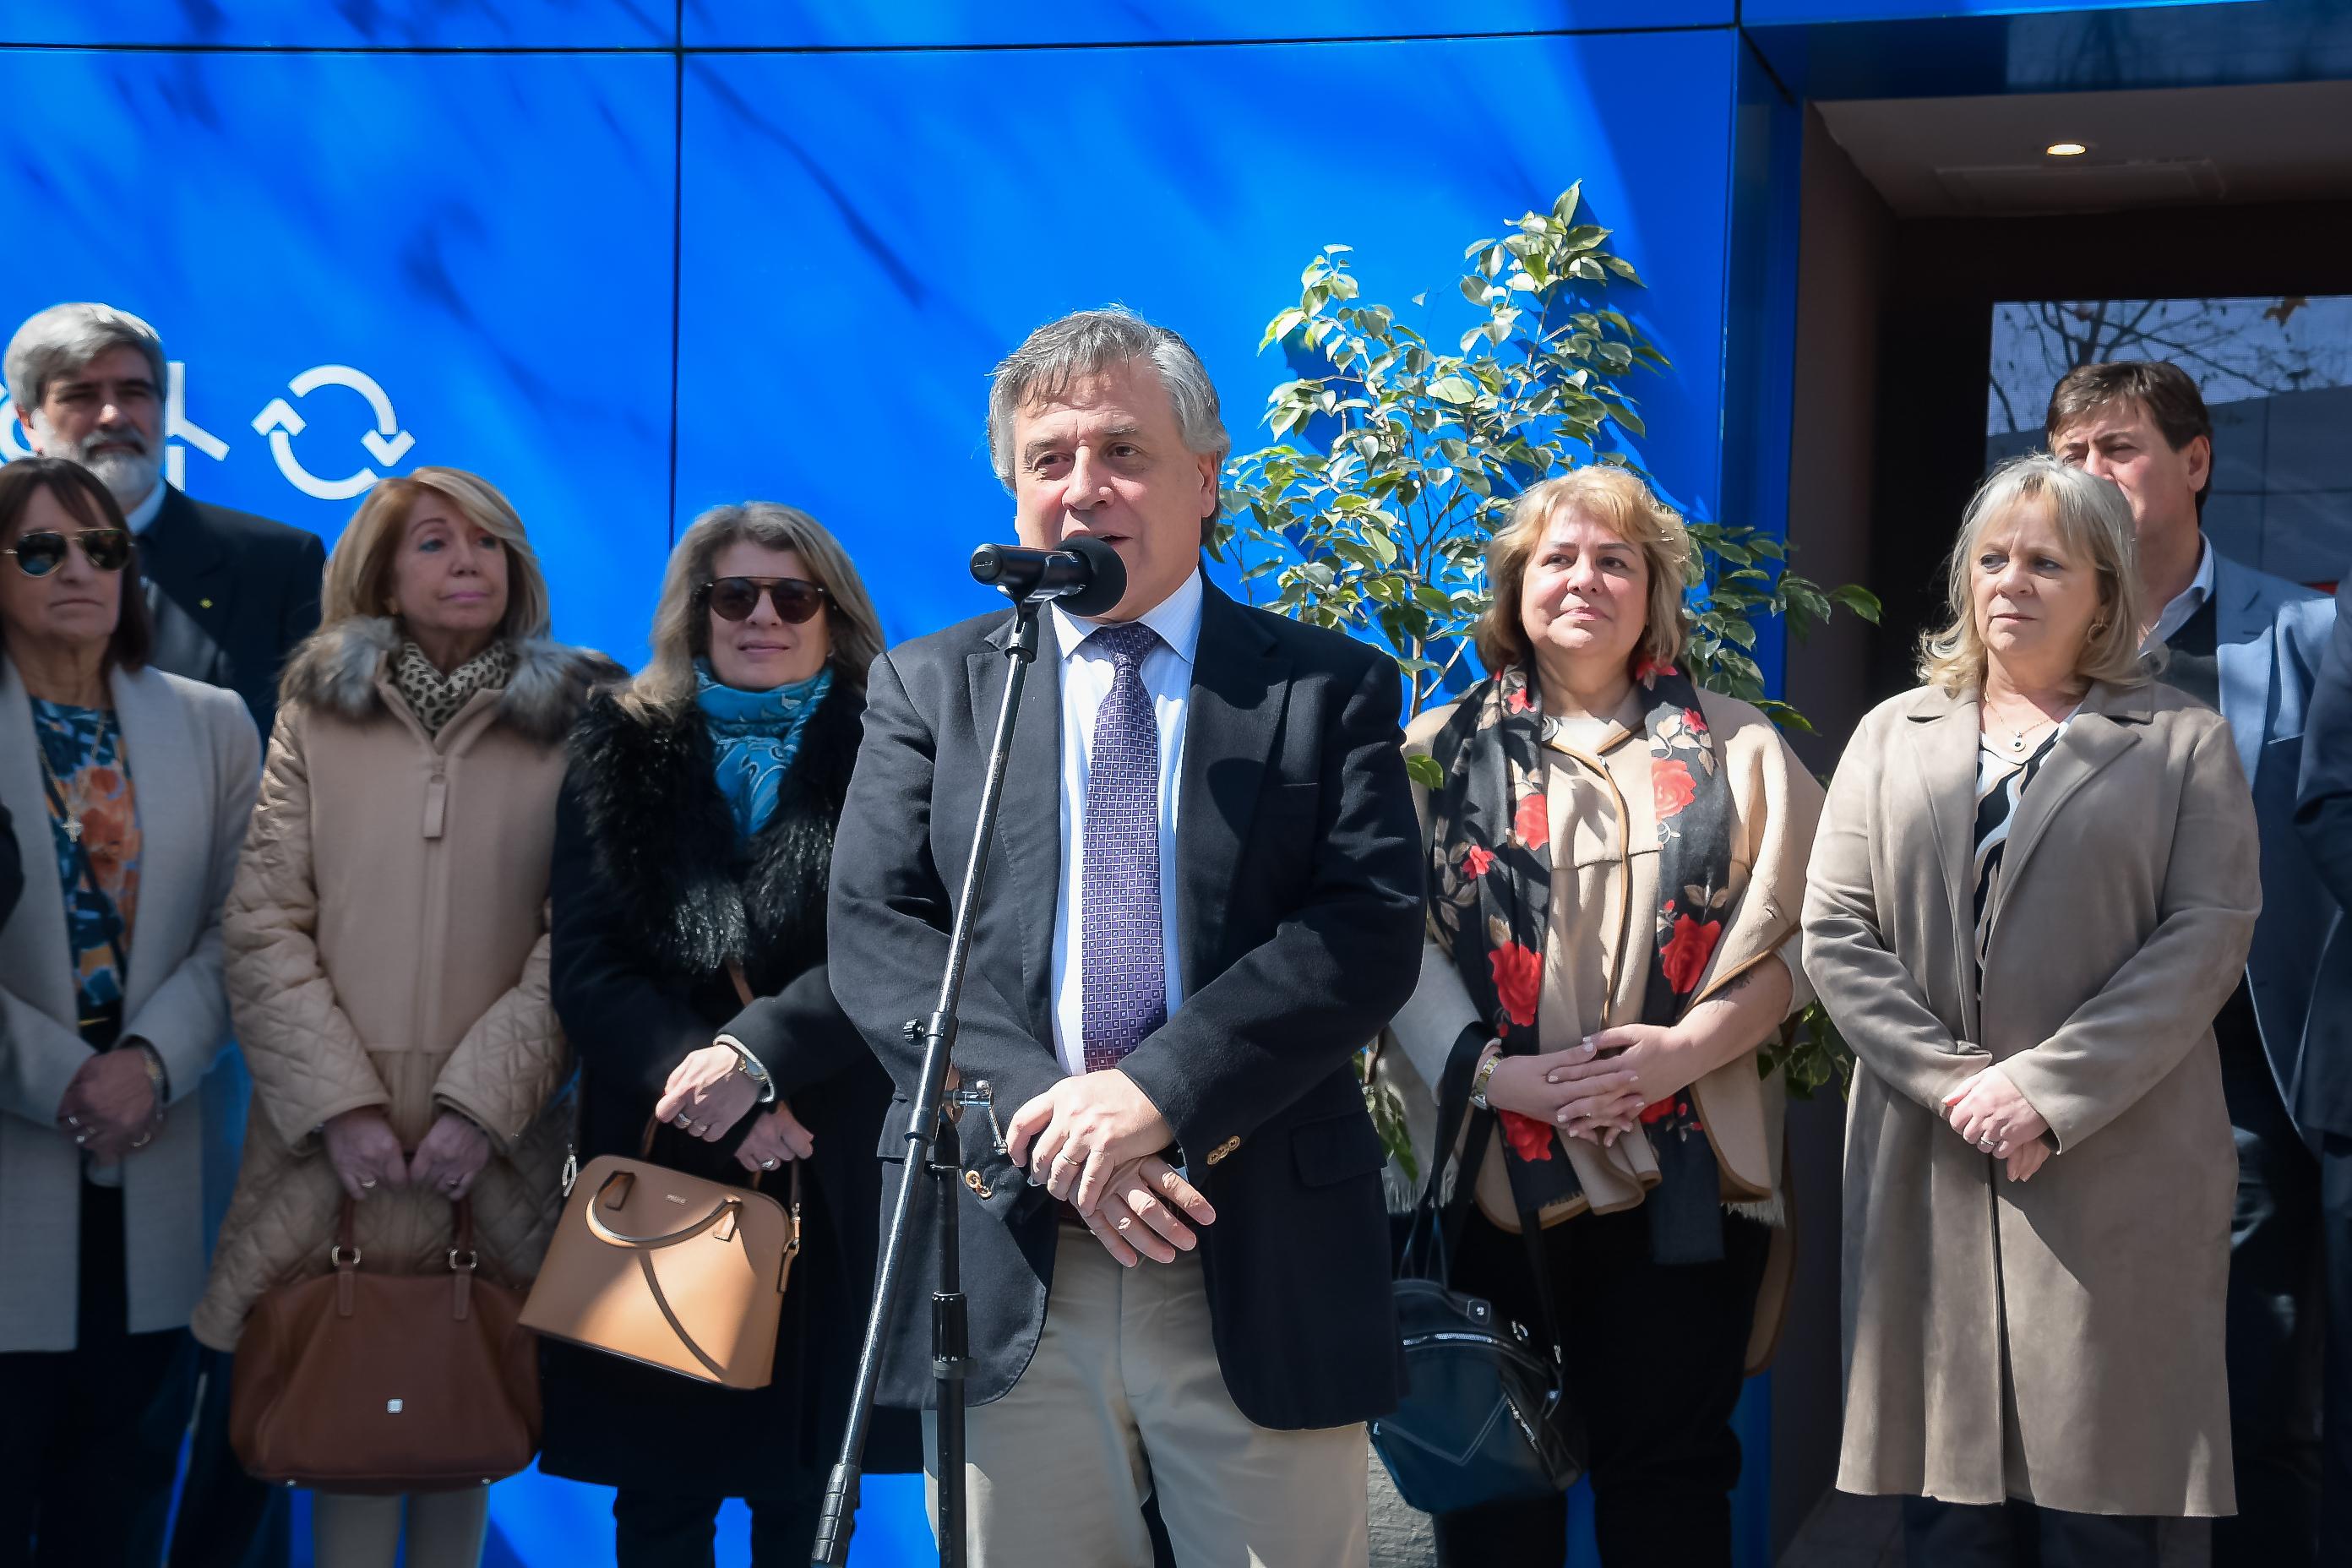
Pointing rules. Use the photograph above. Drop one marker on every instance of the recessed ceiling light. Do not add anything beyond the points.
(2066, 149)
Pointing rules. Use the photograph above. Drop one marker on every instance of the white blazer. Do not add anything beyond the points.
(195, 763)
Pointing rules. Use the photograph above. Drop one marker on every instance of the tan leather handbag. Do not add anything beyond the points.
(386, 1383)
(669, 1269)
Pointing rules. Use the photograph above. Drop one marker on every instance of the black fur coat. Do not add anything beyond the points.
(653, 894)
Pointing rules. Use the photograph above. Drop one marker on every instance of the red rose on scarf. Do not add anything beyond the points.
(1477, 861)
(1518, 702)
(1671, 785)
(1517, 981)
(1529, 1138)
(1687, 952)
(1532, 822)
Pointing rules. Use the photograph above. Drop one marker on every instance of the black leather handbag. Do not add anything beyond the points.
(1485, 1416)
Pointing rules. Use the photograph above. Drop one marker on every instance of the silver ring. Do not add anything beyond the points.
(142, 1141)
(683, 1119)
(700, 1128)
(1063, 1159)
(1987, 1145)
(769, 1164)
(81, 1139)
(73, 1121)
(367, 1184)
(452, 1184)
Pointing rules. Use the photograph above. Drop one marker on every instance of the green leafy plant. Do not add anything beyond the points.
(1379, 527)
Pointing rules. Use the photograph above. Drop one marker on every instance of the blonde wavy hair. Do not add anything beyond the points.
(681, 634)
(359, 572)
(1616, 498)
(2094, 524)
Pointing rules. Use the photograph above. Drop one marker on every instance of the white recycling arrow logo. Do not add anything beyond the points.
(387, 442)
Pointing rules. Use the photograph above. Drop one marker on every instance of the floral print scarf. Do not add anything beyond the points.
(1490, 868)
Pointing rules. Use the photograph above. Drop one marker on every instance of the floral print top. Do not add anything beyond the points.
(82, 751)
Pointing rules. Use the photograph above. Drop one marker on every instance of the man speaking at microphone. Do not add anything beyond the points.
(1204, 896)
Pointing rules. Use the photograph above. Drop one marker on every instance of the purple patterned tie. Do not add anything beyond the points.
(1125, 978)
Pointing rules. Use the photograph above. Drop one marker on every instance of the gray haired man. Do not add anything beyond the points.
(231, 594)
(1178, 1263)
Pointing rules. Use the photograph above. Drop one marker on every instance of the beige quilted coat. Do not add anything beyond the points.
(386, 944)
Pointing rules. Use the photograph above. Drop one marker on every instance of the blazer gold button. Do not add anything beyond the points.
(1226, 1148)
(971, 1179)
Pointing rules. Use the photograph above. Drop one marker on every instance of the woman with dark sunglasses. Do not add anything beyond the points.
(693, 844)
(130, 790)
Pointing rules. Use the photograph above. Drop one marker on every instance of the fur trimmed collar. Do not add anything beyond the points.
(336, 671)
(666, 848)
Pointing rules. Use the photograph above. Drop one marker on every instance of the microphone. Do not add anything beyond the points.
(1084, 573)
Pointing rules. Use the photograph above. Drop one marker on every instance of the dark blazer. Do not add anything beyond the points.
(653, 894)
(232, 593)
(2323, 812)
(2270, 636)
(1299, 900)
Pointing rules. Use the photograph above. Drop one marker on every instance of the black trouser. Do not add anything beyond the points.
(2018, 1535)
(226, 1520)
(90, 1437)
(2336, 1422)
(1655, 1356)
(2275, 1246)
(651, 1529)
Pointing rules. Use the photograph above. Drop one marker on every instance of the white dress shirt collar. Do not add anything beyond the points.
(1177, 619)
(140, 516)
(2186, 602)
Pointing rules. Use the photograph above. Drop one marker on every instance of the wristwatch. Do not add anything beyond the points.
(751, 1069)
(1486, 1071)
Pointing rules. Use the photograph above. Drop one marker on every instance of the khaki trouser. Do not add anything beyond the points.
(1123, 1400)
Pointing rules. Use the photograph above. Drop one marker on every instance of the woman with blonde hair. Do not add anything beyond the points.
(2033, 888)
(1615, 859)
(693, 849)
(386, 939)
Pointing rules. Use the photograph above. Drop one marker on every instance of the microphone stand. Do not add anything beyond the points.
(931, 1142)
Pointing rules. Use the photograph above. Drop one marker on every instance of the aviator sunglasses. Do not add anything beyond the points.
(734, 598)
(38, 555)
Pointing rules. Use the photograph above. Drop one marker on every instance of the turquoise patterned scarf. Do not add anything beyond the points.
(756, 735)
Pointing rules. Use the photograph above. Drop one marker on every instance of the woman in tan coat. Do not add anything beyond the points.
(1615, 868)
(2033, 888)
(387, 938)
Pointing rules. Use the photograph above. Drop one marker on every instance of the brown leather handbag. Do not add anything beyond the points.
(386, 1383)
(669, 1269)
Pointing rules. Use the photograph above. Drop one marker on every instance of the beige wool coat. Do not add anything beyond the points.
(2061, 1340)
(192, 755)
(387, 945)
(1603, 827)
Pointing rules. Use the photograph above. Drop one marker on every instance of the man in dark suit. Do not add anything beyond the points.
(230, 595)
(2324, 1099)
(1205, 895)
(2250, 644)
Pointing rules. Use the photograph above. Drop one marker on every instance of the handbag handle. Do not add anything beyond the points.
(345, 1254)
(605, 1233)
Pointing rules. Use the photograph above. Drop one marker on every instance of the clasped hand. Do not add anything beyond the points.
(1082, 1128)
(108, 1108)
(1595, 1090)
(1994, 1116)
(366, 1153)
